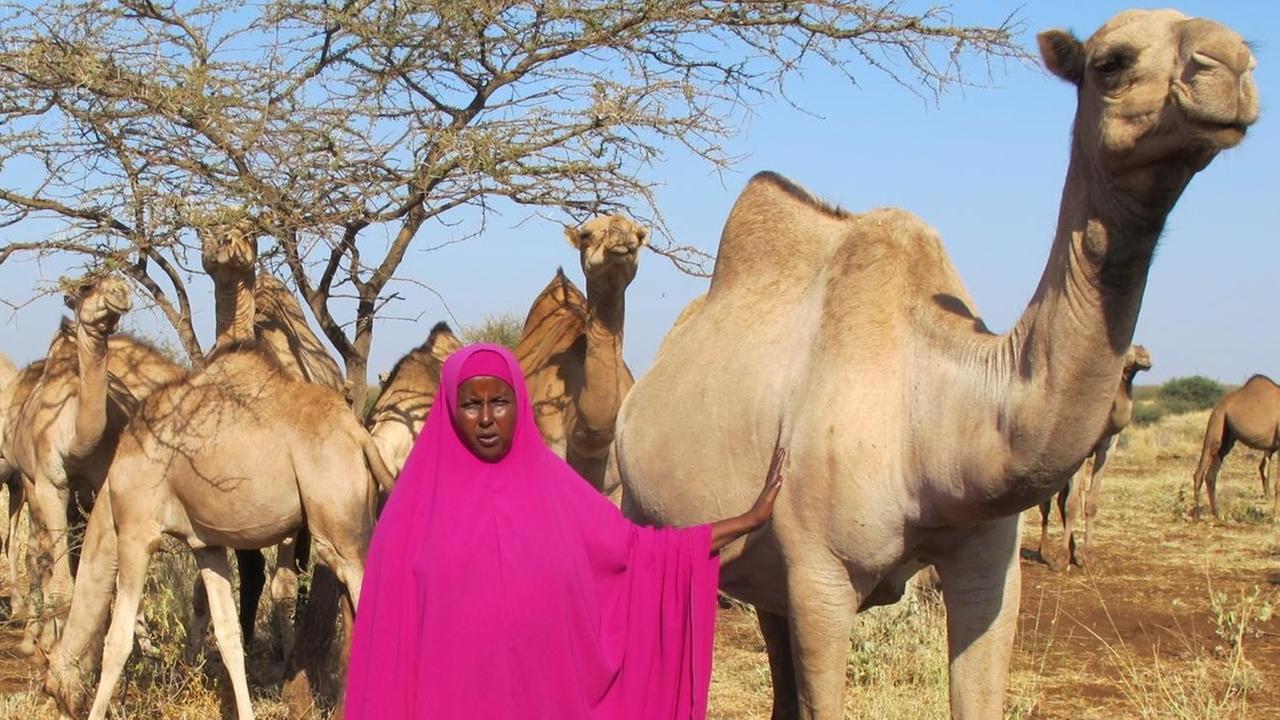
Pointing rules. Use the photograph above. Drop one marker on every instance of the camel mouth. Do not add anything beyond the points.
(623, 250)
(1223, 134)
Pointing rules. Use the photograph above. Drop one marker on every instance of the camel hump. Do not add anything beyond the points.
(1259, 377)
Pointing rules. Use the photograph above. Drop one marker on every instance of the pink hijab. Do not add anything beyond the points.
(514, 590)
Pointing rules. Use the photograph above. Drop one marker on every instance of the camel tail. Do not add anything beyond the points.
(1214, 435)
(377, 466)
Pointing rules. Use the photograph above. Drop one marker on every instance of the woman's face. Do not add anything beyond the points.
(486, 416)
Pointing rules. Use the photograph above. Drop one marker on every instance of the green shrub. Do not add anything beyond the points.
(1188, 394)
(502, 329)
(1147, 413)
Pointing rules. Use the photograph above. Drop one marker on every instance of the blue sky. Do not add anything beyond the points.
(984, 166)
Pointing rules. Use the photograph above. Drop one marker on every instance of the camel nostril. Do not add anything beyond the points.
(1203, 58)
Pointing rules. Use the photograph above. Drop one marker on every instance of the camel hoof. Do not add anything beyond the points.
(1053, 561)
(69, 704)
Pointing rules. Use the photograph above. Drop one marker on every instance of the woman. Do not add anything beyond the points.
(501, 585)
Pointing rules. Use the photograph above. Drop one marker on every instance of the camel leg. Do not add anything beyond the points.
(49, 503)
(1262, 474)
(284, 593)
(1211, 477)
(1046, 510)
(1091, 498)
(76, 655)
(253, 577)
(135, 551)
(17, 599)
(777, 640)
(981, 582)
(822, 605)
(1069, 502)
(216, 573)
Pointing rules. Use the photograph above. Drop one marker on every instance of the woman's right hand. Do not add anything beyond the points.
(762, 510)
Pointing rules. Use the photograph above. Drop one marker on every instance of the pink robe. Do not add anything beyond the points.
(515, 590)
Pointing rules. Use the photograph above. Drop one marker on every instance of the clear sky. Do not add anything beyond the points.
(983, 165)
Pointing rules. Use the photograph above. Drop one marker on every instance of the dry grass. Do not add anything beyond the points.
(1173, 620)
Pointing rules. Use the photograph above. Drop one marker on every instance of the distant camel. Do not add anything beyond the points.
(63, 435)
(408, 392)
(240, 454)
(1081, 493)
(571, 346)
(1251, 415)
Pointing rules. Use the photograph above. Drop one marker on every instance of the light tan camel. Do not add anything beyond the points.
(1082, 492)
(1249, 414)
(571, 347)
(11, 479)
(64, 434)
(408, 392)
(302, 459)
(915, 434)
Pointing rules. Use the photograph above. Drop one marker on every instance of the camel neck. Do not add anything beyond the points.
(91, 401)
(234, 307)
(604, 372)
(1063, 359)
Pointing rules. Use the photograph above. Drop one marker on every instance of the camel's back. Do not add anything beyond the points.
(812, 319)
(282, 325)
(1253, 409)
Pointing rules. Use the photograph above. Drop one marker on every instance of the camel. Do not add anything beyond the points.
(10, 478)
(571, 347)
(1083, 490)
(408, 392)
(63, 435)
(274, 322)
(1249, 414)
(304, 460)
(915, 434)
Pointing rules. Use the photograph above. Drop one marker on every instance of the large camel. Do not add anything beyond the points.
(571, 347)
(915, 434)
(1081, 494)
(63, 435)
(1251, 415)
(408, 392)
(239, 455)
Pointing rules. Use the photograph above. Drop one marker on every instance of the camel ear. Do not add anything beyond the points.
(575, 236)
(1063, 54)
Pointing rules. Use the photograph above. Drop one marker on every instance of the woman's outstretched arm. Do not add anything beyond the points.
(726, 531)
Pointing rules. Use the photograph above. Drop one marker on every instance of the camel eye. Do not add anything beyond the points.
(1113, 62)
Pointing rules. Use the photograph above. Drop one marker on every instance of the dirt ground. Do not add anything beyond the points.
(1173, 618)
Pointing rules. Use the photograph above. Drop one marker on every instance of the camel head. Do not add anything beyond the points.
(441, 342)
(1158, 91)
(609, 247)
(99, 303)
(1136, 360)
(229, 251)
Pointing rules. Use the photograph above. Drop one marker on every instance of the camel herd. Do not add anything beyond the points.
(915, 435)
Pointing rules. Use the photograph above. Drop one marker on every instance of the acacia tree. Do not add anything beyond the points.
(130, 124)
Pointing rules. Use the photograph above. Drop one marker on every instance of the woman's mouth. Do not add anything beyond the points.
(487, 441)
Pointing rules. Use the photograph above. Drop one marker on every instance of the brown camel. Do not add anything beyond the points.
(915, 434)
(1251, 415)
(571, 347)
(302, 459)
(408, 392)
(1083, 490)
(63, 435)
